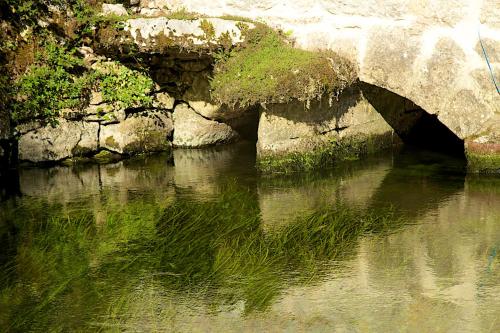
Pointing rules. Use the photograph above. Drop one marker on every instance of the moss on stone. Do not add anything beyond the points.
(79, 151)
(483, 162)
(348, 149)
(111, 142)
(183, 14)
(105, 156)
(149, 141)
(268, 69)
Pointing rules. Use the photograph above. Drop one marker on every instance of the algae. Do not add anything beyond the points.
(327, 154)
(483, 162)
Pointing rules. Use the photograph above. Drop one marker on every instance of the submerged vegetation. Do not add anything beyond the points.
(80, 259)
(268, 69)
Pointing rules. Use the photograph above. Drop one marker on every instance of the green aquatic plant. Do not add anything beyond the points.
(80, 259)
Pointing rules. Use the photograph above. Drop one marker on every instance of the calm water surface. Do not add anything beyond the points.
(400, 242)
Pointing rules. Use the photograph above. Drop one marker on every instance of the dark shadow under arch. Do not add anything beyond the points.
(414, 125)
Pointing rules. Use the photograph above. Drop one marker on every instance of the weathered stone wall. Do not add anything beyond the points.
(181, 115)
(104, 132)
(292, 136)
(426, 51)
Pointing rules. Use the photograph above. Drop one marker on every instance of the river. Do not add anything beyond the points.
(402, 241)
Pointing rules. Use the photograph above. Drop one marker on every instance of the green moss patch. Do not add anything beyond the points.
(325, 155)
(105, 156)
(483, 162)
(268, 69)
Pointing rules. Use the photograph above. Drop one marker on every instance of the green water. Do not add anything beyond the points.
(400, 242)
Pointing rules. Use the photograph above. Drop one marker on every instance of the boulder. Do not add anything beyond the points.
(141, 133)
(28, 127)
(67, 139)
(114, 9)
(151, 7)
(193, 131)
(163, 100)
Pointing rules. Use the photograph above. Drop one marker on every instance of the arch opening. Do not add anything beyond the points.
(415, 126)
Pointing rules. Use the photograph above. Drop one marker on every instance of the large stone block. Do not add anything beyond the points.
(66, 139)
(142, 133)
(194, 131)
(292, 137)
(161, 33)
(114, 9)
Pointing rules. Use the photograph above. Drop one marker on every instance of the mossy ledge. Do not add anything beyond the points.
(266, 69)
(483, 162)
(326, 154)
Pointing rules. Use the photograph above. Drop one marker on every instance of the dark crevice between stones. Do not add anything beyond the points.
(415, 126)
(247, 125)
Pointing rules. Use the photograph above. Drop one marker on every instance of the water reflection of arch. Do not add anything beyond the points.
(419, 181)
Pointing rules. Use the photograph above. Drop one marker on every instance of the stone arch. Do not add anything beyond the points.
(414, 125)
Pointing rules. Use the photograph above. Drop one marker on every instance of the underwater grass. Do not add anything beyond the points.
(214, 250)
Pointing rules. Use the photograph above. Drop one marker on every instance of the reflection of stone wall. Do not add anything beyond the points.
(69, 184)
(197, 173)
(443, 267)
(283, 200)
(201, 173)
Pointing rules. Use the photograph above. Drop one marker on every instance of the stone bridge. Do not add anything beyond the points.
(428, 51)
